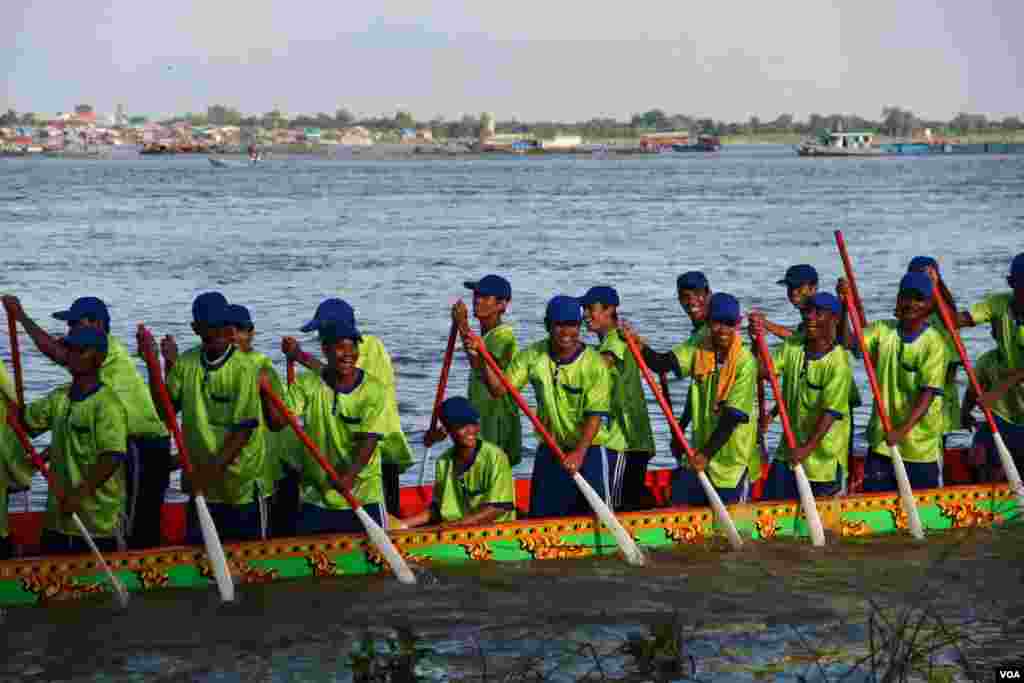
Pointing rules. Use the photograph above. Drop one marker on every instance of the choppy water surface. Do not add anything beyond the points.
(397, 239)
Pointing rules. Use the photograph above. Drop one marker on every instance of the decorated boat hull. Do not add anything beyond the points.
(48, 580)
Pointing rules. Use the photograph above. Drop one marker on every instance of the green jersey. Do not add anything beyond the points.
(84, 428)
(334, 420)
(374, 359)
(997, 309)
(567, 393)
(276, 443)
(216, 399)
(120, 374)
(950, 390)
(813, 385)
(905, 368)
(460, 491)
(991, 369)
(15, 469)
(499, 417)
(7, 389)
(629, 404)
(740, 452)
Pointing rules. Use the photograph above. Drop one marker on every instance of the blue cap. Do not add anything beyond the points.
(693, 279)
(237, 315)
(87, 338)
(917, 282)
(600, 295)
(328, 310)
(564, 309)
(333, 331)
(457, 412)
(724, 308)
(920, 263)
(826, 302)
(1017, 268)
(799, 275)
(85, 307)
(491, 285)
(208, 308)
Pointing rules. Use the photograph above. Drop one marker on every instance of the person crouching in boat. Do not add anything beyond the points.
(216, 388)
(343, 410)
(15, 469)
(816, 380)
(395, 452)
(573, 388)
(629, 405)
(721, 399)
(87, 453)
(910, 358)
(1005, 397)
(473, 479)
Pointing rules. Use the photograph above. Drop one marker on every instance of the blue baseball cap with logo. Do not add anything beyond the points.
(564, 309)
(917, 282)
(237, 315)
(693, 279)
(328, 310)
(86, 307)
(825, 302)
(918, 264)
(457, 412)
(724, 308)
(209, 308)
(87, 338)
(600, 295)
(333, 331)
(490, 285)
(799, 275)
(1017, 270)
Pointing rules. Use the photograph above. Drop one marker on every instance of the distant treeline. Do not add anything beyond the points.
(894, 121)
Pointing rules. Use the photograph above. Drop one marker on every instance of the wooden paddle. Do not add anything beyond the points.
(376, 534)
(902, 481)
(12, 331)
(1012, 475)
(119, 589)
(630, 550)
(291, 372)
(442, 384)
(803, 486)
(848, 267)
(709, 490)
(211, 539)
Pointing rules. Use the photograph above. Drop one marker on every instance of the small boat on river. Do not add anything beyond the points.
(705, 143)
(50, 580)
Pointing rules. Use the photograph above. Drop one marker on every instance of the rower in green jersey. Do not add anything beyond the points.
(87, 451)
(396, 454)
(801, 283)
(573, 389)
(149, 445)
(499, 417)
(216, 388)
(342, 408)
(911, 357)
(15, 470)
(473, 482)
(1005, 310)
(629, 404)
(283, 449)
(1004, 395)
(816, 382)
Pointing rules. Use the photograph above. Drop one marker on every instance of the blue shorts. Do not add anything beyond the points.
(880, 477)
(781, 484)
(248, 522)
(314, 519)
(553, 493)
(1013, 437)
(686, 489)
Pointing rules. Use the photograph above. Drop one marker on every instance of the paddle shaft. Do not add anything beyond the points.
(848, 267)
(170, 414)
(19, 379)
(291, 372)
(442, 382)
(26, 443)
(766, 358)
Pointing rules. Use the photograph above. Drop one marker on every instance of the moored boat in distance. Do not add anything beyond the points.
(705, 143)
(848, 144)
(50, 580)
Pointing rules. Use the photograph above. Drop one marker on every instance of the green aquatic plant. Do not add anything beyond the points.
(396, 664)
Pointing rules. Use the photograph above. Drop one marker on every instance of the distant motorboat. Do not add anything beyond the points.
(705, 143)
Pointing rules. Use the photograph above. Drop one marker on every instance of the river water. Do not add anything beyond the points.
(397, 239)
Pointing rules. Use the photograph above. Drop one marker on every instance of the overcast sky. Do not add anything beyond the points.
(532, 60)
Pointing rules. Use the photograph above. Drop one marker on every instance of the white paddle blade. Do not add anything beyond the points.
(423, 464)
(383, 543)
(720, 512)
(810, 509)
(906, 493)
(119, 590)
(215, 551)
(1010, 468)
(627, 545)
